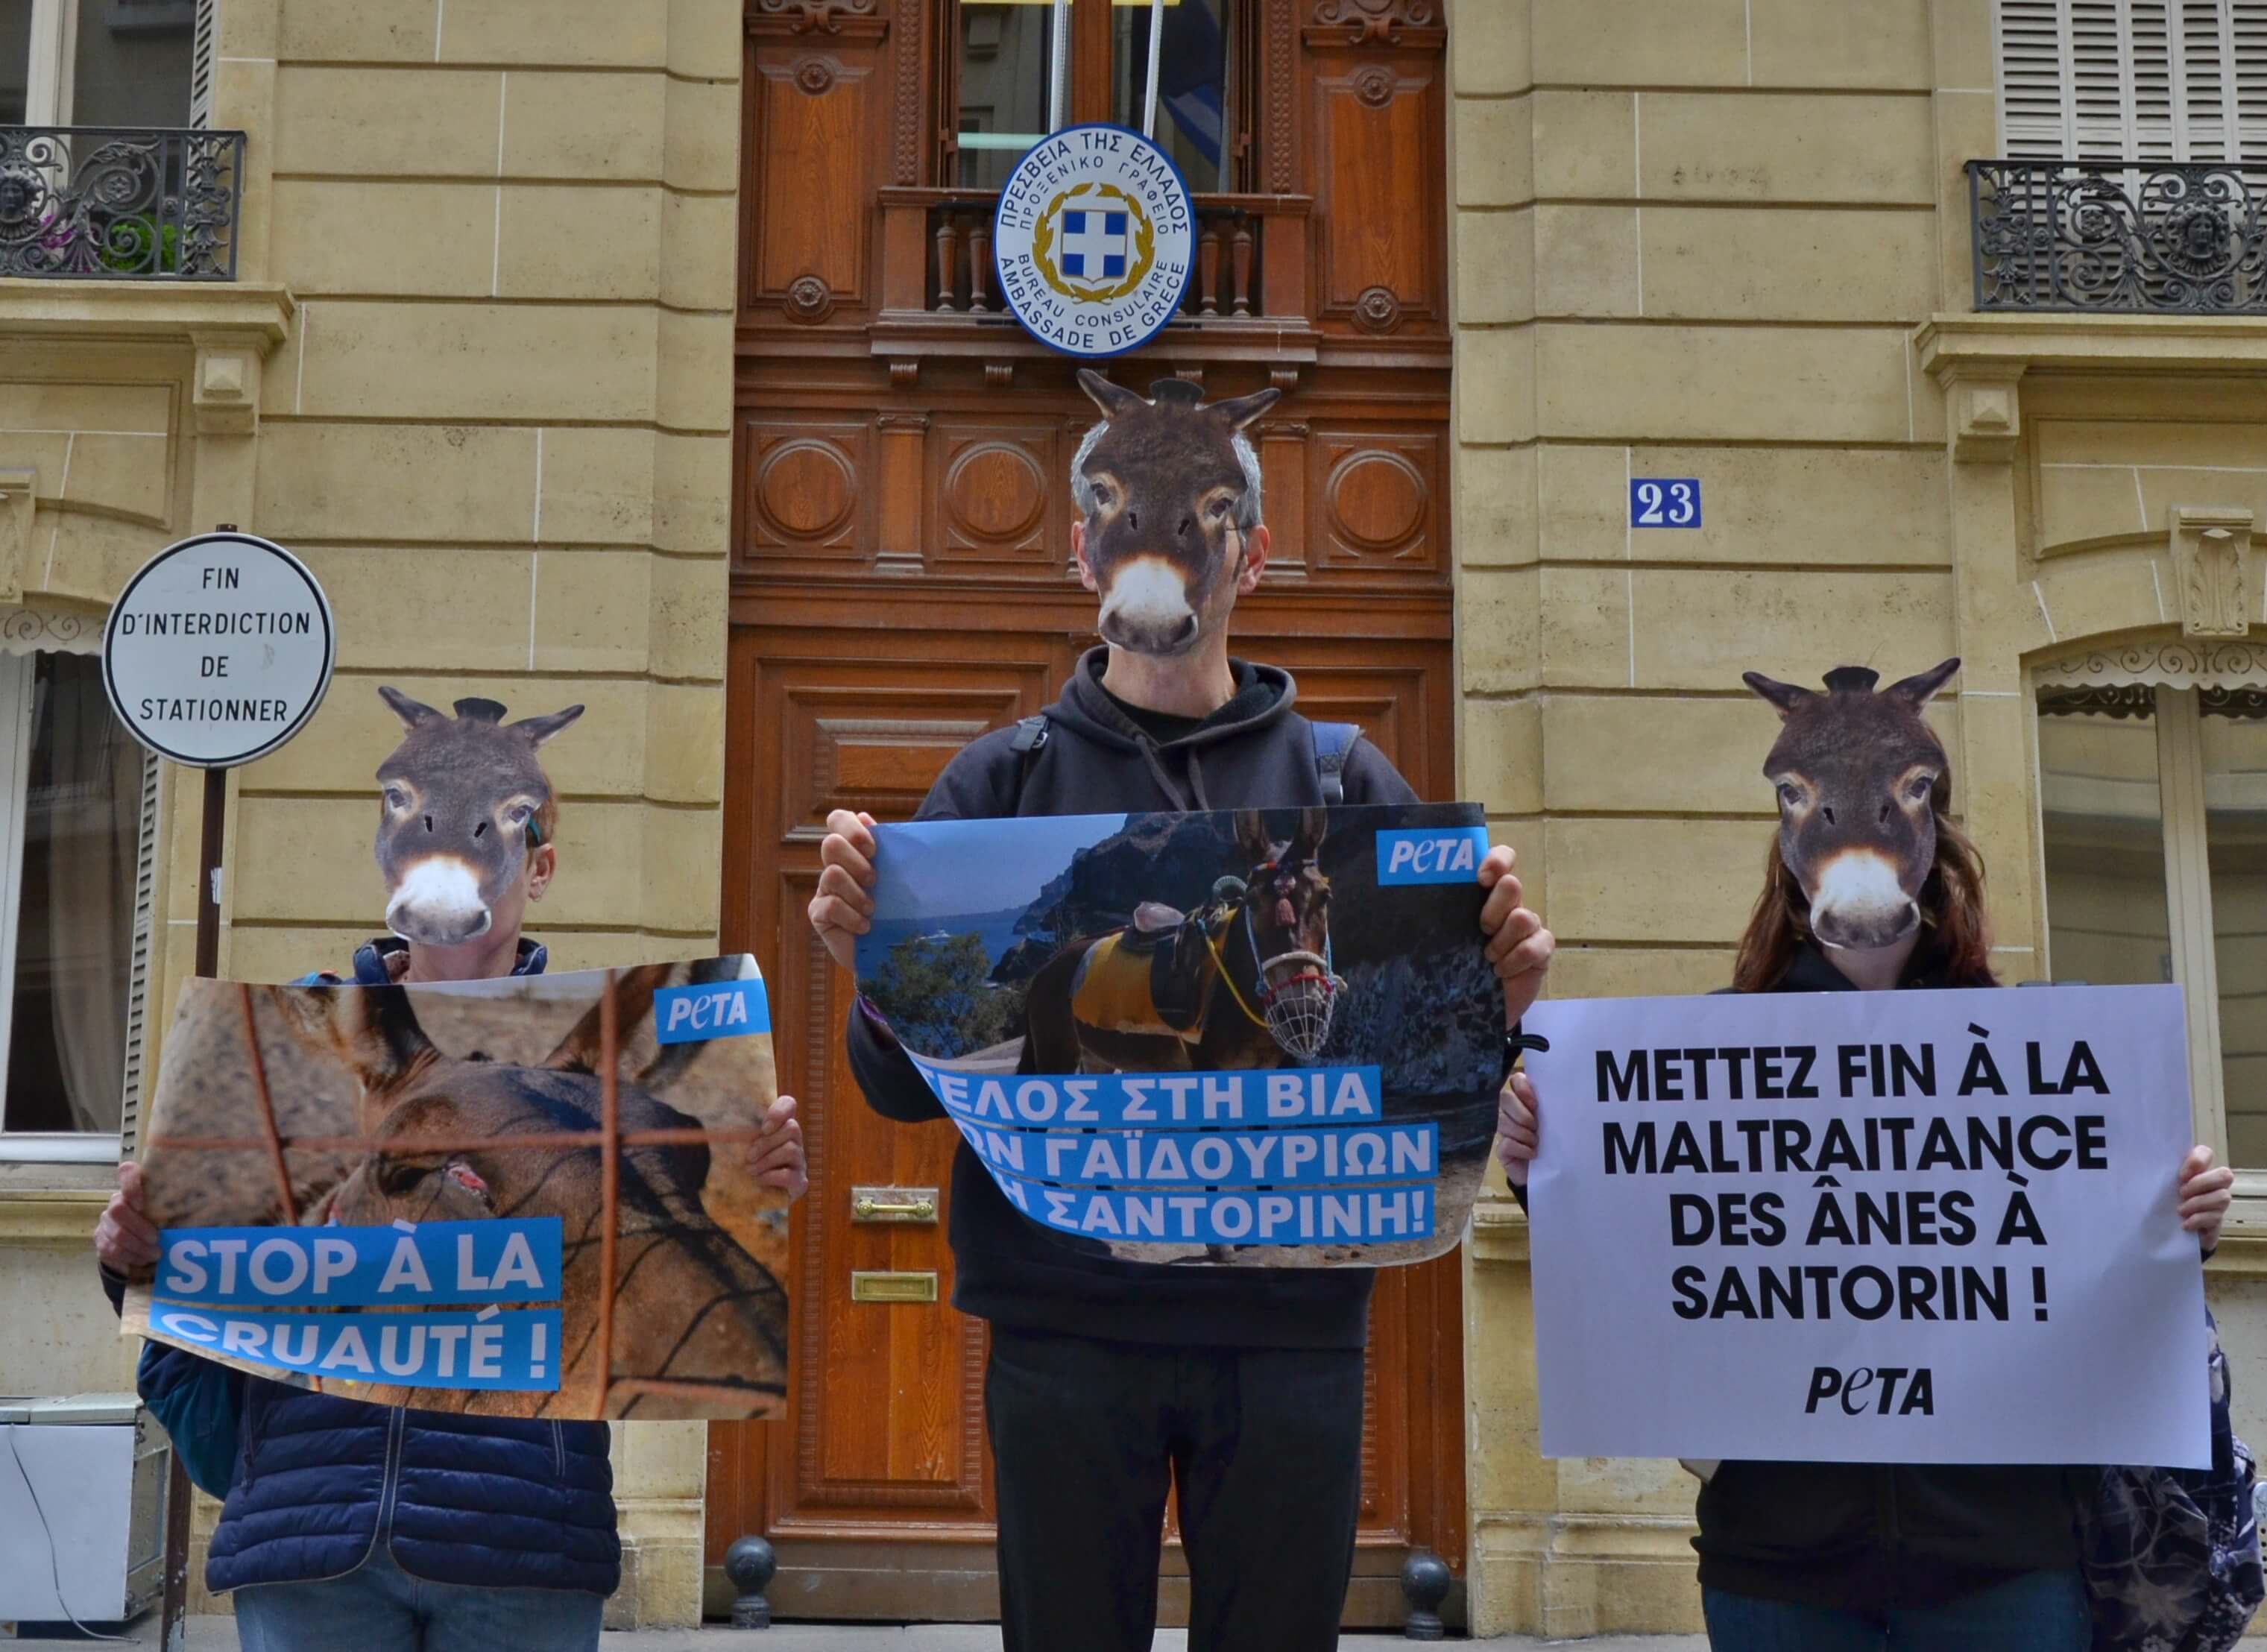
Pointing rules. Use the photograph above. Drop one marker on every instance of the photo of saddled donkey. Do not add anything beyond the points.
(1245, 981)
(700, 1246)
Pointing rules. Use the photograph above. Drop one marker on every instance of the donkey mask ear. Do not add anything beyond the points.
(1112, 399)
(412, 712)
(1785, 697)
(538, 729)
(1918, 691)
(1239, 411)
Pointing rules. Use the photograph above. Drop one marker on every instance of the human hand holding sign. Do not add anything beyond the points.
(125, 1239)
(2205, 1193)
(776, 1158)
(842, 910)
(1519, 947)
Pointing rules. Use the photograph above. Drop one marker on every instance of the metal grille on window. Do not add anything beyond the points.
(2134, 133)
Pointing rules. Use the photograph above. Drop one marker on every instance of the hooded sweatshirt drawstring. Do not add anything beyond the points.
(1165, 779)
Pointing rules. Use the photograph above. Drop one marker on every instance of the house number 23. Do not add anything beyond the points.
(1665, 504)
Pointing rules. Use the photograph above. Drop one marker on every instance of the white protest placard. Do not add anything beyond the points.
(1882, 1227)
(219, 650)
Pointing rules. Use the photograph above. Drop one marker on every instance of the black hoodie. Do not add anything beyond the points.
(1866, 1536)
(1254, 752)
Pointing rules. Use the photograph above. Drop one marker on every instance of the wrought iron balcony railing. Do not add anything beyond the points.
(119, 203)
(2185, 238)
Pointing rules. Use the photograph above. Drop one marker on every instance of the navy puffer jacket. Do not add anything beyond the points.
(484, 1502)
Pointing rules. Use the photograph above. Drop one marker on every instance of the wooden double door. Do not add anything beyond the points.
(901, 583)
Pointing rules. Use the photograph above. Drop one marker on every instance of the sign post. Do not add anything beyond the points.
(215, 653)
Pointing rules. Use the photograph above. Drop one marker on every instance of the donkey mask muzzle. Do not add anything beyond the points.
(1859, 902)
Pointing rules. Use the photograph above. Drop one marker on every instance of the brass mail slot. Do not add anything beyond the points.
(893, 1204)
(892, 1287)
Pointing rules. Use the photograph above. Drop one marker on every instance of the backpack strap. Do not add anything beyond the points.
(1030, 736)
(1333, 746)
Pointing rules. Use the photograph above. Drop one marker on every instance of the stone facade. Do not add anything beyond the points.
(1729, 240)
(476, 370)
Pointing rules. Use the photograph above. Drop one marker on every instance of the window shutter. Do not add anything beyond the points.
(2034, 124)
(2249, 20)
(145, 933)
(202, 61)
(2132, 80)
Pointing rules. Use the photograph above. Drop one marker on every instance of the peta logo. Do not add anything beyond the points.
(720, 1009)
(1435, 855)
(1879, 1390)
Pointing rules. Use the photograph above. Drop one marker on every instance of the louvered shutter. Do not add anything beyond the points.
(203, 54)
(2033, 121)
(2132, 80)
(2250, 19)
(142, 963)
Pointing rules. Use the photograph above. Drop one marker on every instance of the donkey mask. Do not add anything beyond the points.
(459, 800)
(1166, 483)
(1860, 776)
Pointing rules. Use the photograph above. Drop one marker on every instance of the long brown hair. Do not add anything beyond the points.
(1956, 941)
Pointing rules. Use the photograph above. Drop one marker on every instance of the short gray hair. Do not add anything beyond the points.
(1247, 507)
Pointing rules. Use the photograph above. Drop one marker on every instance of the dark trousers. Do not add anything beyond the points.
(1263, 1446)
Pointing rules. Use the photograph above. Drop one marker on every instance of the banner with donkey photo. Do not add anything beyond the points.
(526, 1197)
(1258, 1038)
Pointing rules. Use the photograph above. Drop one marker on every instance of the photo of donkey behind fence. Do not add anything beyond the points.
(378, 1108)
(1232, 941)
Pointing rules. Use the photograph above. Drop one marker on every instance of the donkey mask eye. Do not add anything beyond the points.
(396, 798)
(1790, 795)
(1920, 788)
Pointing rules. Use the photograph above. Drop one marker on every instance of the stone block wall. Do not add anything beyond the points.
(1690, 240)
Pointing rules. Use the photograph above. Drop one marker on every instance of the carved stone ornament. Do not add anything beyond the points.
(2212, 565)
(18, 500)
(32, 628)
(809, 298)
(1377, 310)
(1377, 19)
(1985, 415)
(815, 75)
(2173, 663)
(224, 394)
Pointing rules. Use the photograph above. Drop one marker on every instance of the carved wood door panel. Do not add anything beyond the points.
(900, 583)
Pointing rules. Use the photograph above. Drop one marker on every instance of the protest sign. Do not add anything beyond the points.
(527, 1196)
(1257, 1038)
(1891, 1226)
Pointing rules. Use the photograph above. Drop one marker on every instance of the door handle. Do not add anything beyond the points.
(893, 1204)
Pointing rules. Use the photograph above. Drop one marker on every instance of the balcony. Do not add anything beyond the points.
(117, 204)
(2166, 238)
(1247, 297)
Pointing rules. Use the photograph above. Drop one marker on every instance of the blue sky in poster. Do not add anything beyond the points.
(953, 869)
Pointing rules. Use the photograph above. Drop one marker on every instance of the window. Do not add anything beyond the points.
(2154, 805)
(77, 864)
(2132, 80)
(98, 63)
(1172, 72)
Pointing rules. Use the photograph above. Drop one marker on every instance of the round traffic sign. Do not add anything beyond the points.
(1095, 239)
(219, 650)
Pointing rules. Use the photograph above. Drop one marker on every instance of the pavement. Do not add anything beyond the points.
(218, 1635)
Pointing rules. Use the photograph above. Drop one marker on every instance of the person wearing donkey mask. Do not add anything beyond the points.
(349, 1524)
(1870, 887)
(1111, 1381)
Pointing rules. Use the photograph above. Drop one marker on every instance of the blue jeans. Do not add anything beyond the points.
(377, 1607)
(2039, 1611)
